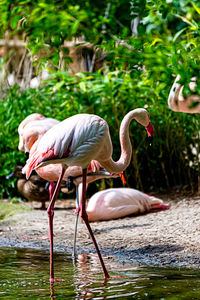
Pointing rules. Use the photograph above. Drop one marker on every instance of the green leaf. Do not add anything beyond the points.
(178, 34)
(196, 8)
(58, 85)
(14, 21)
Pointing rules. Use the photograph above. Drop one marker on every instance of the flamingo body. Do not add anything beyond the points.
(115, 203)
(178, 103)
(28, 119)
(32, 131)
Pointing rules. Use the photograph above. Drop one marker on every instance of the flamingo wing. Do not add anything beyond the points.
(78, 139)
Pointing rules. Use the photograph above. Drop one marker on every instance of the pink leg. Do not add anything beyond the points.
(51, 190)
(84, 216)
(50, 212)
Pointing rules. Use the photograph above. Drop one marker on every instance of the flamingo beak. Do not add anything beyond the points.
(150, 132)
(150, 139)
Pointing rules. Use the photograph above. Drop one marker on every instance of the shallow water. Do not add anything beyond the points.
(24, 273)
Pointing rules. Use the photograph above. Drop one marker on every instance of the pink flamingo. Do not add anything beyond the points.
(116, 203)
(31, 129)
(178, 103)
(77, 141)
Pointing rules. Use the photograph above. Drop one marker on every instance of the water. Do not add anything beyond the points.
(24, 273)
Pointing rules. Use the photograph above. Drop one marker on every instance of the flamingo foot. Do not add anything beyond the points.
(159, 207)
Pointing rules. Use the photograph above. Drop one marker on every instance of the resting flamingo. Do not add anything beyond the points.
(77, 141)
(178, 103)
(116, 203)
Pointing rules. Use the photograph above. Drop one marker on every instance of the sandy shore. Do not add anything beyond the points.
(170, 237)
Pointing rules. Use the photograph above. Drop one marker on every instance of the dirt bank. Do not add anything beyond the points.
(170, 237)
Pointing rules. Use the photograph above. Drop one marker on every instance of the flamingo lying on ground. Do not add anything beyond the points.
(178, 103)
(77, 141)
(115, 203)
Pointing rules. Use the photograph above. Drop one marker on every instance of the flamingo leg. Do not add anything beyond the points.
(84, 216)
(76, 221)
(50, 212)
(51, 190)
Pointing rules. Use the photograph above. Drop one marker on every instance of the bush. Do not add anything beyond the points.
(171, 160)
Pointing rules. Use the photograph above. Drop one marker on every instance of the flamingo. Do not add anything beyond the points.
(77, 141)
(178, 103)
(31, 129)
(116, 203)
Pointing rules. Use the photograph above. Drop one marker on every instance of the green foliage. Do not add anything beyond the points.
(138, 72)
(170, 161)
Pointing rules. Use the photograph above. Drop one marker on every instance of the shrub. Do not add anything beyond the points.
(171, 160)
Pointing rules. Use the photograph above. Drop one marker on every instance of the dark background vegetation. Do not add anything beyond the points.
(166, 43)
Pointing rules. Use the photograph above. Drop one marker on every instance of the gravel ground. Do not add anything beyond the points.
(170, 237)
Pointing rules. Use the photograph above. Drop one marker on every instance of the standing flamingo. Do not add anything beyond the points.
(31, 129)
(116, 203)
(178, 103)
(77, 141)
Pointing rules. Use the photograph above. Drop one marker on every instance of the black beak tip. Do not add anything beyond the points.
(150, 139)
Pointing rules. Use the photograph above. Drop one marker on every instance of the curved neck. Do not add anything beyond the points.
(173, 94)
(126, 147)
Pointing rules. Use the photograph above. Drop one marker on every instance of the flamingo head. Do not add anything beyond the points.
(150, 132)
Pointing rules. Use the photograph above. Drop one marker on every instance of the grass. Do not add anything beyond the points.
(8, 209)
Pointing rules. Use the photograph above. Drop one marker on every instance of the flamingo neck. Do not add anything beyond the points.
(174, 93)
(126, 147)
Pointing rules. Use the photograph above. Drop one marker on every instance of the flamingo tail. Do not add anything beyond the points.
(35, 160)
